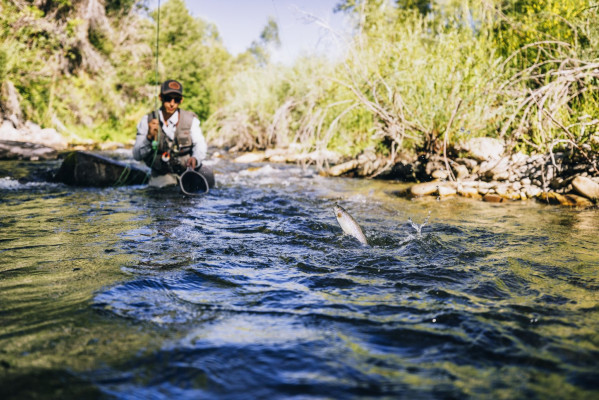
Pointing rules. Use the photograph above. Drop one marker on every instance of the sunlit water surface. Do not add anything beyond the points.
(252, 291)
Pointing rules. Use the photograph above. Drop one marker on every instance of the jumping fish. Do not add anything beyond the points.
(349, 225)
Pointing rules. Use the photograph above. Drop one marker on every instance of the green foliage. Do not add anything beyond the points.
(100, 40)
(419, 70)
(270, 33)
(269, 36)
(530, 21)
(191, 52)
(3, 65)
(414, 71)
(119, 6)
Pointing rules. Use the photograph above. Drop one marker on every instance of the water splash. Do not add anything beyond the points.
(418, 228)
(9, 183)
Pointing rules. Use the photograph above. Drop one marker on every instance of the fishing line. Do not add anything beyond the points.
(157, 55)
(156, 111)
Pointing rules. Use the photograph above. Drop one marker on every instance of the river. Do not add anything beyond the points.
(253, 292)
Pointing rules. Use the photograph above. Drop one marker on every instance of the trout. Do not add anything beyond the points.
(349, 225)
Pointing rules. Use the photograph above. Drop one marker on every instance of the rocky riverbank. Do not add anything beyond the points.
(479, 168)
(28, 141)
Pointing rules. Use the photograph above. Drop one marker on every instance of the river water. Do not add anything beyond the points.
(253, 292)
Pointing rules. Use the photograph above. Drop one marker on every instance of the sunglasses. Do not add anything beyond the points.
(168, 99)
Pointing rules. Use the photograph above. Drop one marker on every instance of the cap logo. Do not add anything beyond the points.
(174, 85)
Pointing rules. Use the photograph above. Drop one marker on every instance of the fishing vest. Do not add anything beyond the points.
(176, 151)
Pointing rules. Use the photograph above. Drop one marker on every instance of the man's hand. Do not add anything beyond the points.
(153, 127)
(192, 163)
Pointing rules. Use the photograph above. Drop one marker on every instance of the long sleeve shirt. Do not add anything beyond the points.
(143, 146)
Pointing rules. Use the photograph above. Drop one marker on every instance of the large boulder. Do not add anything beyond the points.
(586, 187)
(482, 148)
(80, 168)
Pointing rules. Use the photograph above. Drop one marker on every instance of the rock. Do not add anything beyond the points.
(586, 187)
(568, 200)
(279, 158)
(424, 189)
(445, 190)
(469, 184)
(501, 176)
(468, 162)
(496, 169)
(442, 189)
(440, 174)
(11, 150)
(519, 159)
(403, 192)
(433, 165)
(513, 195)
(367, 155)
(319, 156)
(502, 190)
(10, 100)
(86, 169)
(486, 185)
(550, 198)
(274, 152)
(573, 200)
(250, 158)
(493, 198)
(8, 131)
(532, 191)
(32, 133)
(483, 148)
(461, 171)
(469, 192)
(341, 169)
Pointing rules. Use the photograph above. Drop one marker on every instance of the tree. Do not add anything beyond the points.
(192, 52)
(268, 37)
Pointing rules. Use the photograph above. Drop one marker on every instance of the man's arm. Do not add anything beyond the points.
(143, 141)
(197, 138)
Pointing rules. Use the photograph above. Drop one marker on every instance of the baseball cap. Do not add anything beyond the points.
(171, 87)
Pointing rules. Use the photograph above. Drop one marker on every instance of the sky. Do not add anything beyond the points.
(240, 22)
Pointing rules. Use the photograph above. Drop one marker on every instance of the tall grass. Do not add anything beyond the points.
(391, 91)
(413, 81)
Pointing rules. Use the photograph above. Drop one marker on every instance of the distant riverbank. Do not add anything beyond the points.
(482, 170)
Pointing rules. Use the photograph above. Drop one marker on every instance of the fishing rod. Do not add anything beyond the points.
(156, 111)
(157, 56)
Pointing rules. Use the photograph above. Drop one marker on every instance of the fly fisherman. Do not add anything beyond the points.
(172, 141)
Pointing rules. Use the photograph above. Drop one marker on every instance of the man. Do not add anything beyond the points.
(172, 141)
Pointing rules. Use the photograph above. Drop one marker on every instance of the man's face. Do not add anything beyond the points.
(170, 102)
